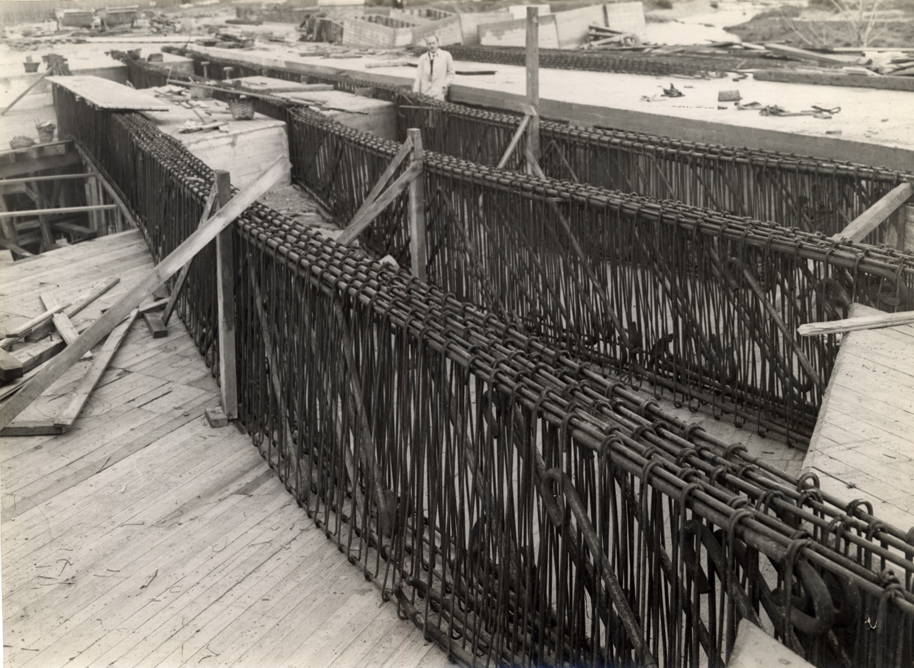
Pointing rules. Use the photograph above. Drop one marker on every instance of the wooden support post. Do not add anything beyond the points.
(66, 209)
(47, 234)
(872, 218)
(533, 82)
(377, 206)
(13, 248)
(378, 187)
(417, 248)
(92, 167)
(225, 283)
(182, 277)
(90, 201)
(9, 231)
(514, 140)
(100, 224)
(163, 271)
(25, 92)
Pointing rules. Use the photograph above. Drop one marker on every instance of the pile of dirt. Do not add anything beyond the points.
(821, 28)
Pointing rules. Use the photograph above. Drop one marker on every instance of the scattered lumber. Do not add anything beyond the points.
(19, 250)
(81, 394)
(163, 271)
(156, 326)
(39, 353)
(76, 306)
(62, 322)
(22, 330)
(836, 78)
(10, 367)
(795, 53)
(857, 324)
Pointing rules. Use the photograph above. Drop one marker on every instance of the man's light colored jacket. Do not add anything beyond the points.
(432, 81)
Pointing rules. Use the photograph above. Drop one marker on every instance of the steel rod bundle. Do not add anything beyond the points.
(710, 318)
(808, 193)
(522, 506)
(657, 301)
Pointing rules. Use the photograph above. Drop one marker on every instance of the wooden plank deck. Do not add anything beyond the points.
(143, 537)
(109, 95)
(863, 445)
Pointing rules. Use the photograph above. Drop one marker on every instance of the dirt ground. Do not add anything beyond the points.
(819, 24)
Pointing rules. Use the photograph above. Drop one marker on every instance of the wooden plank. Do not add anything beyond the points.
(155, 325)
(74, 229)
(66, 209)
(872, 218)
(62, 321)
(359, 224)
(808, 56)
(835, 78)
(209, 593)
(182, 277)
(47, 234)
(19, 332)
(51, 177)
(856, 324)
(21, 95)
(225, 299)
(40, 427)
(10, 367)
(78, 304)
(109, 95)
(178, 552)
(9, 169)
(533, 83)
(172, 263)
(513, 144)
(112, 193)
(39, 353)
(81, 395)
(382, 181)
(416, 211)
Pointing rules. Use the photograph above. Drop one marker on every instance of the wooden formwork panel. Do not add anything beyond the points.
(361, 33)
(470, 22)
(571, 26)
(627, 17)
(514, 33)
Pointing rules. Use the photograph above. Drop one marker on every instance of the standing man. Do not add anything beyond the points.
(436, 71)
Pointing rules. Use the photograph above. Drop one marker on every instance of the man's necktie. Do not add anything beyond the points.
(431, 66)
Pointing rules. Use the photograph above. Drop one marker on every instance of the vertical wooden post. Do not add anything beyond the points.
(103, 218)
(417, 249)
(44, 223)
(91, 200)
(225, 283)
(533, 82)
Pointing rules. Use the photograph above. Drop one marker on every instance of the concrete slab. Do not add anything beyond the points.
(362, 113)
(874, 127)
(243, 148)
